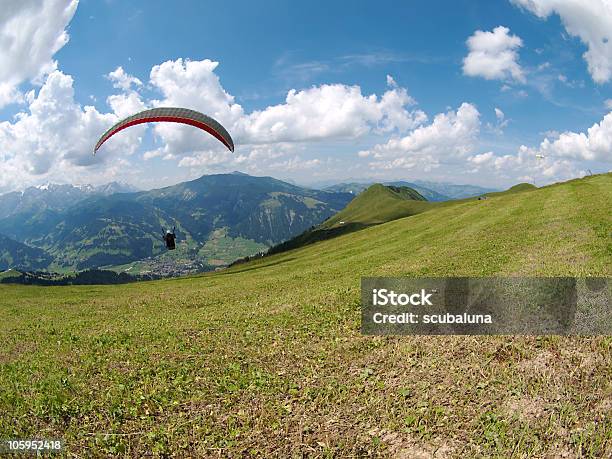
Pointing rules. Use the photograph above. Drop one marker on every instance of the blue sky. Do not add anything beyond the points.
(459, 109)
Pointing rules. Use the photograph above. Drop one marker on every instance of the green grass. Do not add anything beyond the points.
(379, 204)
(376, 205)
(515, 189)
(9, 273)
(221, 249)
(266, 359)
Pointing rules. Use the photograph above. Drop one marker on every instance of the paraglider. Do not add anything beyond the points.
(171, 115)
(170, 239)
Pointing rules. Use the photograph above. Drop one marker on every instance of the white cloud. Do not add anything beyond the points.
(208, 159)
(129, 100)
(560, 156)
(295, 164)
(194, 84)
(523, 166)
(318, 113)
(391, 82)
(54, 138)
(10, 94)
(185, 83)
(608, 104)
(500, 124)
(122, 80)
(126, 104)
(589, 20)
(330, 112)
(147, 155)
(31, 32)
(594, 145)
(543, 66)
(481, 158)
(56, 133)
(494, 55)
(450, 136)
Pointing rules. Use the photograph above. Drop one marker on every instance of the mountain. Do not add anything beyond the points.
(432, 191)
(15, 255)
(114, 188)
(262, 209)
(54, 197)
(427, 193)
(454, 191)
(357, 187)
(377, 204)
(218, 219)
(349, 187)
(269, 354)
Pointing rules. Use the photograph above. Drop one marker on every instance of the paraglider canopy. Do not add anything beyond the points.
(172, 115)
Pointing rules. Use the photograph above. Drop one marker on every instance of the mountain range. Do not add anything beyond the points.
(218, 218)
(55, 197)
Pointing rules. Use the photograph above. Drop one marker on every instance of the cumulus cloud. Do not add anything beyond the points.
(525, 165)
(328, 112)
(31, 32)
(56, 132)
(208, 159)
(318, 113)
(560, 156)
(501, 122)
(448, 137)
(494, 55)
(147, 155)
(594, 145)
(295, 164)
(54, 137)
(128, 101)
(126, 104)
(481, 158)
(589, 20)
(122, 80)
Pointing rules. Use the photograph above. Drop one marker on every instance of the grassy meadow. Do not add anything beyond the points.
(266, 359)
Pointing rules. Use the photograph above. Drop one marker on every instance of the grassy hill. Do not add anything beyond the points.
(379, 204)
(356, 188)
(266, 359)
(432, 191)
(376, 205)
(519, 188)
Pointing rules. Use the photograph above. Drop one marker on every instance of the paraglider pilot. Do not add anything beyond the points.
(170, 238)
